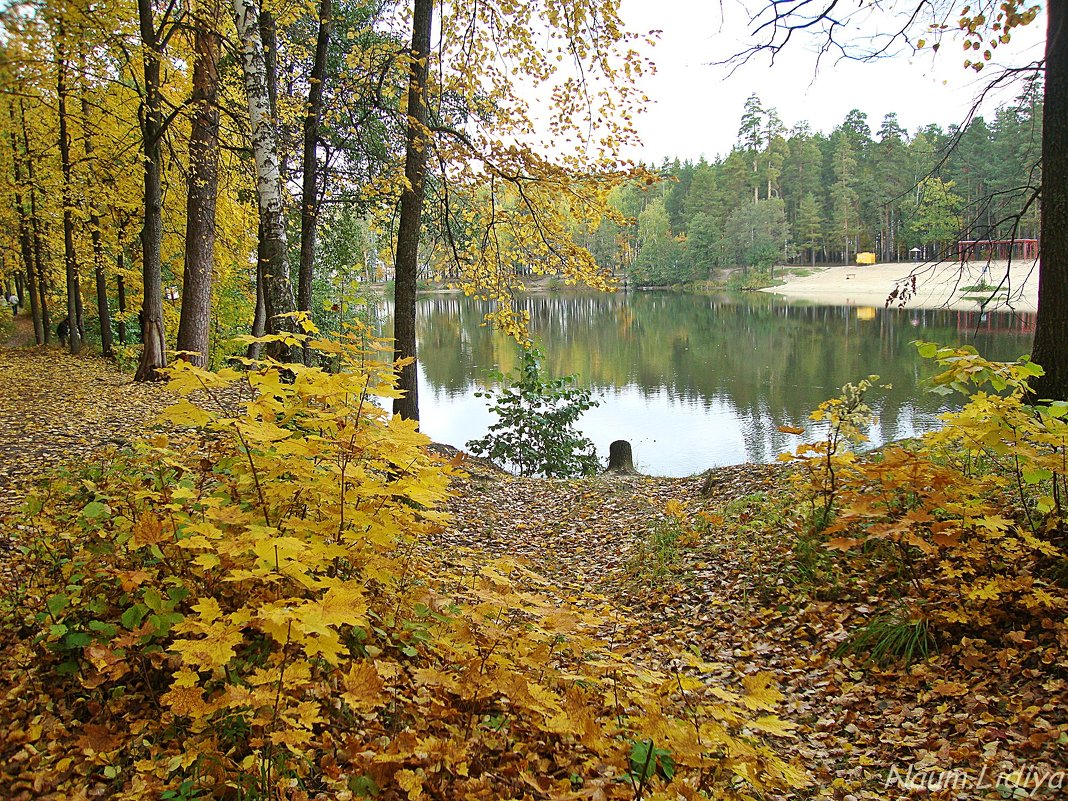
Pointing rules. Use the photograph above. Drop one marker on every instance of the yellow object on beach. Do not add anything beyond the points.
(865, 258)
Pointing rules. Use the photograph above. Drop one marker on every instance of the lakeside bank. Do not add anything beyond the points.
(931, 285)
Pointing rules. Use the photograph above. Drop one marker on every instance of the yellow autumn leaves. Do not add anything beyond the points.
(273, 583)
(966, 521)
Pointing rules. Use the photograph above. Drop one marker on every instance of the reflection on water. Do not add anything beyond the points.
(695, 381)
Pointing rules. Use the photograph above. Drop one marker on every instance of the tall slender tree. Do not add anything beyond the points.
(25, 243)
(35, 229)
(70, 258)
(269, 40)
(153, 43)
(411, 211)
(107, 347)
(274, 262)
(194, 325)
(844, 197)
(750, 137)
(808, 228)
(309, 195)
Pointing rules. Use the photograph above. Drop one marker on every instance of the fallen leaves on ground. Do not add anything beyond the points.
(859, 729)
(56, 408)
(961, 721)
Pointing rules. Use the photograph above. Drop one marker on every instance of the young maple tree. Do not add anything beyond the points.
(964, 528)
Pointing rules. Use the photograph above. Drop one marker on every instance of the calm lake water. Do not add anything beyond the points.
(695, 381)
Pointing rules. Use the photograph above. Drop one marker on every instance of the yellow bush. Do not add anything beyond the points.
(259, 613)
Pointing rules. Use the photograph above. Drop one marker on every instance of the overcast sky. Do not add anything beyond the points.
(696, 108)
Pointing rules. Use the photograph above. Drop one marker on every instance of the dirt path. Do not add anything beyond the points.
(727, 591)
(55, 407)
(592, 536)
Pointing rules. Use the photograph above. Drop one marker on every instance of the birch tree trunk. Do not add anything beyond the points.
(411, 212)
(277, 288)
(194, 326)
(259, 317)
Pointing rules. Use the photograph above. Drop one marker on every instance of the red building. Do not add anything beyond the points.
(1002, 249)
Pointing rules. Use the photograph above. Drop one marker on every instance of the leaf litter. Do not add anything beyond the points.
(725, 589)
(974, 721)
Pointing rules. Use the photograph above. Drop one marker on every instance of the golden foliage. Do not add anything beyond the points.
(271, 584)
(969, 523)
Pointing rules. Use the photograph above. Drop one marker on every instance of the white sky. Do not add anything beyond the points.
(696, 108)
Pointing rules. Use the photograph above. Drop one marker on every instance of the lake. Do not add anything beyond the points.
(697, 381)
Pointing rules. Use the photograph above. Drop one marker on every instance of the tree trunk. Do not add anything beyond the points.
(121, 291)
(259, 318)
(1050, 348)
(79, 316)
(35, 232)
(194, 327)
(269, 38)
(25, 246)
(107, 347)
(411, 212)
(309, 200)
(268, 29)
(277, 289)
(70, 259)
(38, 263)
(154, 352)
(620, 457)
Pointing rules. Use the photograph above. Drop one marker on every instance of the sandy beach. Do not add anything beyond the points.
(937, 286)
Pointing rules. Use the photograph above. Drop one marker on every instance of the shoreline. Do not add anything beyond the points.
(938, 285)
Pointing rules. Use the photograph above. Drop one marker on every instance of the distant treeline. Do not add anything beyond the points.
(803, 197)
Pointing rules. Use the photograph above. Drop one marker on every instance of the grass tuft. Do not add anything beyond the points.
(891, 638)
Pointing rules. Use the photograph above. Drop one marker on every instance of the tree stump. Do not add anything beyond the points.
(712, 480)
(620, 457)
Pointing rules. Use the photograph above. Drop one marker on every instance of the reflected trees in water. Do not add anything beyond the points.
(751, 362)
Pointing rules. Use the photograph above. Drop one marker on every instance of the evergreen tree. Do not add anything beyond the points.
(751, 138)
(937, 219)
(808, 228)
(844, 200)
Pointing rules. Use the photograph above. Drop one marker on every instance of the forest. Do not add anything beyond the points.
(85, 120)
(796, 196)
(160, 155)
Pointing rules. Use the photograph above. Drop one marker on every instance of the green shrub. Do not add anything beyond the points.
(967, 523)
(535, 431)
(751, 279)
